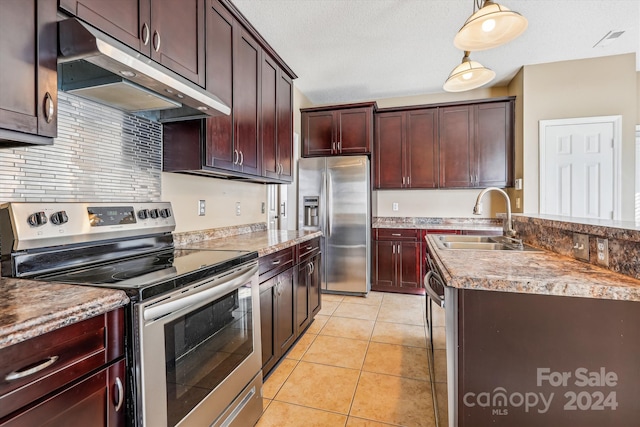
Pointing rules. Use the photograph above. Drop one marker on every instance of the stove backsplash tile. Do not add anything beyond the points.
(100, 154)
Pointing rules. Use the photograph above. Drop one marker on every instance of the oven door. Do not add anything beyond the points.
(199, 348)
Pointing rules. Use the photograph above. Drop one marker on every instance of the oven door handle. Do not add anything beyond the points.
(214, 289)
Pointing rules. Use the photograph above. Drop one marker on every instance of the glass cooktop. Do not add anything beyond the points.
(145, 276)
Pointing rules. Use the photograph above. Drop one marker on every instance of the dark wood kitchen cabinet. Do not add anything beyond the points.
(406, 149)
(308, 297)
(72, 376)
(28, 87)
(276, 110)
(337, 130)
(477, 144)
(396, 261)
(171, 33)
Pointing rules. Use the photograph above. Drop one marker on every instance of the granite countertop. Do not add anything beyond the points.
(430, 223)
(264, 242)
(30, 308)
(542, 273)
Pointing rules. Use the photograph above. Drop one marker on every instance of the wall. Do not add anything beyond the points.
(100, 154)
(581, 88)
(516, 88)
(436, 203)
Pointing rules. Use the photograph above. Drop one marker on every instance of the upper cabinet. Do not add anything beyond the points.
(467, 145)
(28, 87)
(337, 130)
(255, 141)
(170, 32)
(406, 149)
(476, 145)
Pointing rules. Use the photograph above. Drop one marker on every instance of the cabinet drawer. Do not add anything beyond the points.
(272, 264)
(396, 234)
(308, 249)
(34, 368)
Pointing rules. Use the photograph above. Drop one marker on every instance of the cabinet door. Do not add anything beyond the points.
(245, 103)
(421, 149)
(178, 37)
(354, 131)
(285, 126)
(388, 150)
(315, 282)
(269, 119)
(125, 20)
(95, 401)
(456, 146)
(494, 145)
(409, 265)
(219, 146)
(384, 264)
(285, 322)
(303, 316)
(28, 52)
(267, 316)
(318, 133)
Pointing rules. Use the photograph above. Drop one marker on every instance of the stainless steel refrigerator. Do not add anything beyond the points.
(334, 196)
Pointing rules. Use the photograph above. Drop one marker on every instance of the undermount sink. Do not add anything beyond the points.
(482, 243)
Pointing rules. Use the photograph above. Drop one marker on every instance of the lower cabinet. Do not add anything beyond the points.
(72, 376)
(397, 265)
(289, 298)
(277, 321)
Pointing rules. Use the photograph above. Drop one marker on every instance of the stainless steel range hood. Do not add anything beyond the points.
(96, 66)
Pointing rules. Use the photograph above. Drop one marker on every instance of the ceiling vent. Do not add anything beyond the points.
(609, 38)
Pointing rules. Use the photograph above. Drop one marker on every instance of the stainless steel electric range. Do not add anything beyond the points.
(193, 333)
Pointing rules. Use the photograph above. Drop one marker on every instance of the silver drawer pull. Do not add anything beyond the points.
(25, 372)
(276, 262)
(120, 396)
(396, 234)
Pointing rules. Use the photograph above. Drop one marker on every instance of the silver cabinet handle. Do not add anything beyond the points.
(393, 248)
(241, 158)
(276, 262)
(30, 370)
(396, 234)
(156, 41)
(403, 181)
(236, 157)
(408, 181)
(120, 394)
(313, 268)
(144, 34)
(339, 145)
(49, 107)
(333, 146)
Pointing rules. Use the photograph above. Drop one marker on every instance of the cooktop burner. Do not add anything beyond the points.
(146, 276)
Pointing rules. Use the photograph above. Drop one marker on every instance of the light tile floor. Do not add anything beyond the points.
(362, 363)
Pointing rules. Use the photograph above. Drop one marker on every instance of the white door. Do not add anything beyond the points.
(578, 167)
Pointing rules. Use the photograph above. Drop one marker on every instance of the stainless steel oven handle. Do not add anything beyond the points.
(215, 289)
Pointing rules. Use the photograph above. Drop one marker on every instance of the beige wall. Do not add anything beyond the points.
(603, 86)
(221, 195)
(515, 88)
(638, 97)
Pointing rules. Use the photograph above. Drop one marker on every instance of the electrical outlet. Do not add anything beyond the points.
(394, 206)
(262, 208)
(602, 248)
(237, 208)
(581, 246)
(201, 207)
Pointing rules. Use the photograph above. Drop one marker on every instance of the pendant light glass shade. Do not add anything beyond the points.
(468, 75)
(491, 26)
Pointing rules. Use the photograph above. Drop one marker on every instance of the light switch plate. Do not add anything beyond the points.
(581, 246)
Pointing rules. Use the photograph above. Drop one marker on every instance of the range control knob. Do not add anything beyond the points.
(37, 219)
(153, 213)
(143, 213)
(165, 213)
(59, 218)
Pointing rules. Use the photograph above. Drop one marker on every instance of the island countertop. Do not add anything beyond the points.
(30, 308)
(542, 273)
(264, 242)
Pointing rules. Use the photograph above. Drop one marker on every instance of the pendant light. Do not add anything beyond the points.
(468, 75)
(491, 26)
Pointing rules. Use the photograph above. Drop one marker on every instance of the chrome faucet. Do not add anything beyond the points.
(506, 226)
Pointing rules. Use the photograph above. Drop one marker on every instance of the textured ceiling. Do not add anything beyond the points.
(354, 50)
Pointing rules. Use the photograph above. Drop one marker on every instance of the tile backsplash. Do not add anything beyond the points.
(100, 154)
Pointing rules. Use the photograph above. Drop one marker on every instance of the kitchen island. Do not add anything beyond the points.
(535, 338)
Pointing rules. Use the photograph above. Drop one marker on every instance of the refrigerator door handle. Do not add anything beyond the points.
(329, 203)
